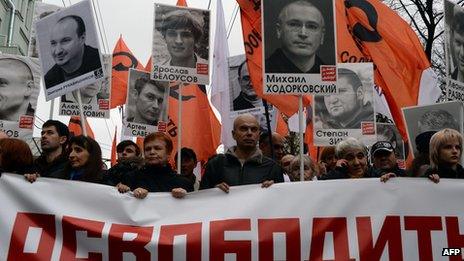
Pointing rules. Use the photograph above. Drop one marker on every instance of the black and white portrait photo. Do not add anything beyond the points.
(19, 90)
(432, 118)
(146, 105)
(69, 49)
(95, 97)
(41, 10)
(352, 108)
(454, 46)
(181, 44)
(299, 37)
(243, 97)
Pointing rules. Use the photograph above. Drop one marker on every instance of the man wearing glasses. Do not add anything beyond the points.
(300, 30)
(182, 30)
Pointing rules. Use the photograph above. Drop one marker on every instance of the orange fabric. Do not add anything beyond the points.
(251, 26)
(398, 55)
(282, 127)
(139, 142)
(123, 59)
(76, 129)
(113, 149)
(181, 3)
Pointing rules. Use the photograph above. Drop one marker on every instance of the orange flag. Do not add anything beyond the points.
(75, 128)
(123, 60)
(399, 59)
(251, 26)
(113, 149)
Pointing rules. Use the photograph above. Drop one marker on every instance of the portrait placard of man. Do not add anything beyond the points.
(17, 89)
(184, 43)
(147, 100)
(68, 49)
(350, 110)
(432, 118)
(247, 98)
(95, 97)
(298, 37)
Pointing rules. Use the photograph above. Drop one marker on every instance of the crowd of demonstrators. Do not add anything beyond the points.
(244, 163)
(156, 175)
(187, 165)
(256, 159)
(129, 159)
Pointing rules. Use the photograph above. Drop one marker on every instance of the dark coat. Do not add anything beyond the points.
(227, 168)
(446, 172)
(342, 173)
(156, 179)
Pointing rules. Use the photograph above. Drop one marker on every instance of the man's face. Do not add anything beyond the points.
(180, 42)
(187, 166)
(128, 152)
(301, 30)
(15, 87)
(246, 132)
(344, 103)
(50, 140)
(91, 90)
(278, 145)
(149, 103)
(357, 162)
(384, 159)
(245, 83)
(66, 45)
(156, 152)
(458, 49)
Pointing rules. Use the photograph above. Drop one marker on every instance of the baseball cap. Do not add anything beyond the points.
(381, 145)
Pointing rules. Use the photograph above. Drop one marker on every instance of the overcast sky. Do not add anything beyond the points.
(134, 21)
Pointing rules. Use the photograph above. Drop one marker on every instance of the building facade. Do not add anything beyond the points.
(15, 33)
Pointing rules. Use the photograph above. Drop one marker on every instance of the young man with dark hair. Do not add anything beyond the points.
(53, 141)
(129, 159)
(187, 165)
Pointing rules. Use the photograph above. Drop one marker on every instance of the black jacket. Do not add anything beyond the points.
(52, 169)
(227, 168)
(156, 179)
(342, 173)
(446, 172)
(114, 174)
(398, 171)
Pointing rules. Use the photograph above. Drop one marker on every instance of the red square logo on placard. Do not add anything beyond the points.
(26, 122)
(103, 104)
(401, 164)
(328, 73)
(368, 128)
(162, 126)
(202, 68)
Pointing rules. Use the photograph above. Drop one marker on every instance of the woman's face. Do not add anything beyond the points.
(156, 152)
(357, 162)
(78, 157)
(450, 153)
(308, 173)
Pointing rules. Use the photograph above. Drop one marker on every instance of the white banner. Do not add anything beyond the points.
(404, 219)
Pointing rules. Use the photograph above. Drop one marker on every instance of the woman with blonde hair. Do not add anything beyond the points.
(445, 156)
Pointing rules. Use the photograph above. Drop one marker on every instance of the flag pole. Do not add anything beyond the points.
(179, 128)
(268, 125)
(52, 108)
(81, 112)
(300, 130)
